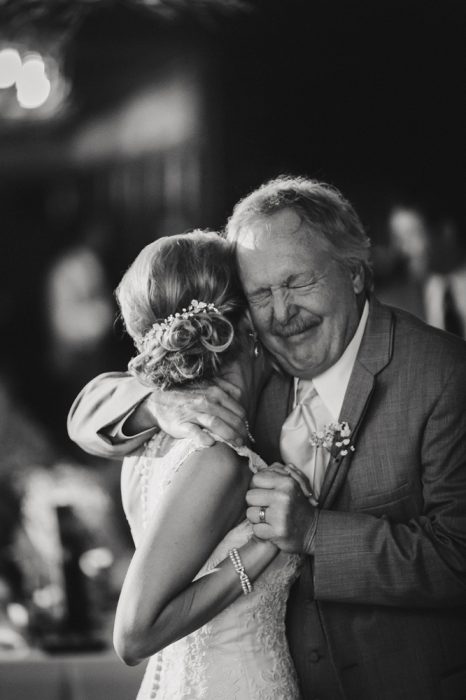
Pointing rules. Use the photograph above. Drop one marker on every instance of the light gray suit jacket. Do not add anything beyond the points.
(379, 612)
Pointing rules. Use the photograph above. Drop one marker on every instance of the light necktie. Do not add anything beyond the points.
(309, 416)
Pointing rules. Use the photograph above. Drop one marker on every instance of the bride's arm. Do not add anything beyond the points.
(160, 602)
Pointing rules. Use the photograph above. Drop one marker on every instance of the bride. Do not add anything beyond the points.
(202, 597)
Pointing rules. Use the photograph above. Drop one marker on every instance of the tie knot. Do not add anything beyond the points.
(305, 392)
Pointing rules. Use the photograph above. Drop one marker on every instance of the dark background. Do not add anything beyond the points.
(366, 96)
(174, 113)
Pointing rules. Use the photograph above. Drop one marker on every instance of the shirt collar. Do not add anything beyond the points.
(331, 385)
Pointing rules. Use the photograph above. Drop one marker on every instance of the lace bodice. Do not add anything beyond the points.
(242, 653)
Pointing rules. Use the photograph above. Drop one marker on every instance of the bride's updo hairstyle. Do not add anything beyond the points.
(160, 286)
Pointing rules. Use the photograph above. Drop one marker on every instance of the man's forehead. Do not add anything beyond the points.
(263, 229)
(273, 256)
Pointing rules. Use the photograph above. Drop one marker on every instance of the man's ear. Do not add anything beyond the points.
(358, 279)
(246, 321)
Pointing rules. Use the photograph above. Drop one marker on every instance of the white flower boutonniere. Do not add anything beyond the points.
(335, 437)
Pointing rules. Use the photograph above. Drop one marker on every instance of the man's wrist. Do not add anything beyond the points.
(309, 540)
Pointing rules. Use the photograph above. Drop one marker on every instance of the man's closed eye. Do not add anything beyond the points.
(259, 298)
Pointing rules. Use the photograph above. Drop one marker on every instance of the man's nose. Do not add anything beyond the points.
(281, 306)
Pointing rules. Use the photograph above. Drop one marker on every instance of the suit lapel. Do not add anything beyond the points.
(374, 354)
(354, 407)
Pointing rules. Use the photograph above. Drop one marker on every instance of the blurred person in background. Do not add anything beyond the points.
(406, 260)
(423, 270)
(37, 486)
(24, 570)
(11, 589)
(66, 313)
(62, 323)
(369, 402)
(78, 313)
(445, 287)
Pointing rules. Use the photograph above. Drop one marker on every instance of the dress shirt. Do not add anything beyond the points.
(332, 384)
(311, 413)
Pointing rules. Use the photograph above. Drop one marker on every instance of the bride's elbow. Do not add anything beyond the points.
(135, 645)
(126, 651)
(127, 645)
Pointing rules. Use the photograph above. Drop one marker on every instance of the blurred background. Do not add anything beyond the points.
(125, 120)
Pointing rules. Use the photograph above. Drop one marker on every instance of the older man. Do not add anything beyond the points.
(370, 404)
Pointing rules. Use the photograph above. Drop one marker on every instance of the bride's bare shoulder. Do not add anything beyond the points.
(221, 463)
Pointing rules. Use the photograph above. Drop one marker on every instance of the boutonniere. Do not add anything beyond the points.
(335, 437)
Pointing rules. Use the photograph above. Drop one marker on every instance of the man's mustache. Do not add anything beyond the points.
(293, 328)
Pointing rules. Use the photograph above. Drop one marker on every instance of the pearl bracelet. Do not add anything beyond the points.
(246, 584)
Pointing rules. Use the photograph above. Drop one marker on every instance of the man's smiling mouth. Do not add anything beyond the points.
(296, 330)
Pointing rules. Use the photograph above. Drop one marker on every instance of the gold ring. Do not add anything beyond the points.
(262, 514)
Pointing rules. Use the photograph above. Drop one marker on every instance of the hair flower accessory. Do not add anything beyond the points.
(335, 437)
(195, 307)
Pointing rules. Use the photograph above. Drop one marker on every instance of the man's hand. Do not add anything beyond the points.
(199, 413)
(290, 519)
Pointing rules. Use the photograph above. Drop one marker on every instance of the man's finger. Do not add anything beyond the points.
(225, 425)
(263, 531)
(270, 479)
(214, 394)
(201, 437)
(230, 388)
(253, 514)
(301, 479)
(279, 469)
(259, 497)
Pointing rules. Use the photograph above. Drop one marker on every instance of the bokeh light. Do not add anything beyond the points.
(32, 85)
(10, 67)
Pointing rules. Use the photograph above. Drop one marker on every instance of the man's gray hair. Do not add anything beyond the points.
(321, 206)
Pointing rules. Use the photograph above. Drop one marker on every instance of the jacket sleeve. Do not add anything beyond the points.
(97, 416)
(361, 558)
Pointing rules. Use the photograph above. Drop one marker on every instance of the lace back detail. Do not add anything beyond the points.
(240, 654)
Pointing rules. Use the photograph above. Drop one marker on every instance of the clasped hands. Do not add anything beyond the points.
(282, 508)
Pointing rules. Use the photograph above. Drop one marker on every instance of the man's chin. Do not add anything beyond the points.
(298, 364)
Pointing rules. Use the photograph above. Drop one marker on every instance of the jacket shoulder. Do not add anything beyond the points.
(414, 335)
(425, 360)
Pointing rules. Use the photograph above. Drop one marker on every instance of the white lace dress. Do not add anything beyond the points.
(242, 653)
